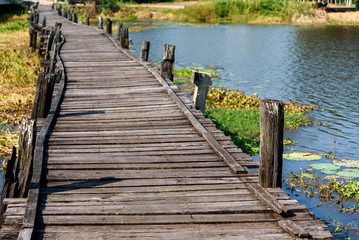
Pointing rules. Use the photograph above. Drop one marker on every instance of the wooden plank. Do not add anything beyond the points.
(293, 228)
(156, 219)
(268, 199)
(148, 209)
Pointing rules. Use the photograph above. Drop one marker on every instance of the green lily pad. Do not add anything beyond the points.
(301, 156)
(350, 173)
(347, 163)
(326, 168)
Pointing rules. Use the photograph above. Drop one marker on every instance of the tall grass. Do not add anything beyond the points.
(19, 67)
(247, 11)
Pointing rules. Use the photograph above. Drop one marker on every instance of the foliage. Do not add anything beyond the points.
(222, 97)
(237, 115)
(241, 125)
(109, 6)
(201, 12)
(283, 10)
(326, 189)
(19, 67)
(16, 25)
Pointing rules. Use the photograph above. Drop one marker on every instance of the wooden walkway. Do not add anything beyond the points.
(128, 159)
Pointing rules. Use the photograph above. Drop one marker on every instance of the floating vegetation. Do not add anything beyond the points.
(326, 189)
(287, 142)
(349, 173)
(134, 29)
(347, 163)
(301, 156)
(326, 168)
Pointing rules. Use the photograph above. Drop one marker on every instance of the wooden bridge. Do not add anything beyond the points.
(126, 156)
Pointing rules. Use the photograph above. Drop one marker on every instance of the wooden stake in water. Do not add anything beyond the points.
(109, 26)
(202, 81)
(145, 50)
(167, 63)
(271, 143)
(100, 22)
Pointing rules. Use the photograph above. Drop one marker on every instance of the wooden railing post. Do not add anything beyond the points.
(100, 22)
(27, 138)
(88, 19)
(69, 15)
(167, 63)
(75, 17)
(59, 11)
(44, 22)
(145, 49)
(109, 26)
(271, 143)
(124, 42)
(118, 31)
(9, 182)
(202, 81)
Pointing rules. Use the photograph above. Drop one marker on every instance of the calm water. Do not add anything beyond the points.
(315, 65)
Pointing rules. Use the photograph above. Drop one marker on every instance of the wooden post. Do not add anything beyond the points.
(124, 42)
(43, 95)
(27, 138)
(44, 22)
(118, 31)
(100, 22)
(34, 31)
(202, 81)
(37, 18)
(167, 63)
(88, 19)
(145, 49)
(31, 25)
(75, 17)
(9, 182)
(109, 26)
(69, 15)
(271, 143)
(59, 11)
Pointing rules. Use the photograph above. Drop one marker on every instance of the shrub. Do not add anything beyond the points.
(202, 12)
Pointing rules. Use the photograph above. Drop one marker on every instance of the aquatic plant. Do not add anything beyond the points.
(301, 156)
(324, 188)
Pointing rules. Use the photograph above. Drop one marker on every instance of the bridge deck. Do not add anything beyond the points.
(123, 160)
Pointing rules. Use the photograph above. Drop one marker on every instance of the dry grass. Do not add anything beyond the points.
(18, 73)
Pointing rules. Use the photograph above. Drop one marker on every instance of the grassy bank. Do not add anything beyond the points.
(18, 72)
(237, 115)
(236, 11)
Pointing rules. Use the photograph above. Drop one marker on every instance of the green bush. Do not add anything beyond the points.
(251, 9)
(110, 6)
(221, 9)
(202, 12)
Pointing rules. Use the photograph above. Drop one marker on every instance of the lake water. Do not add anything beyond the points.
(314, 65)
